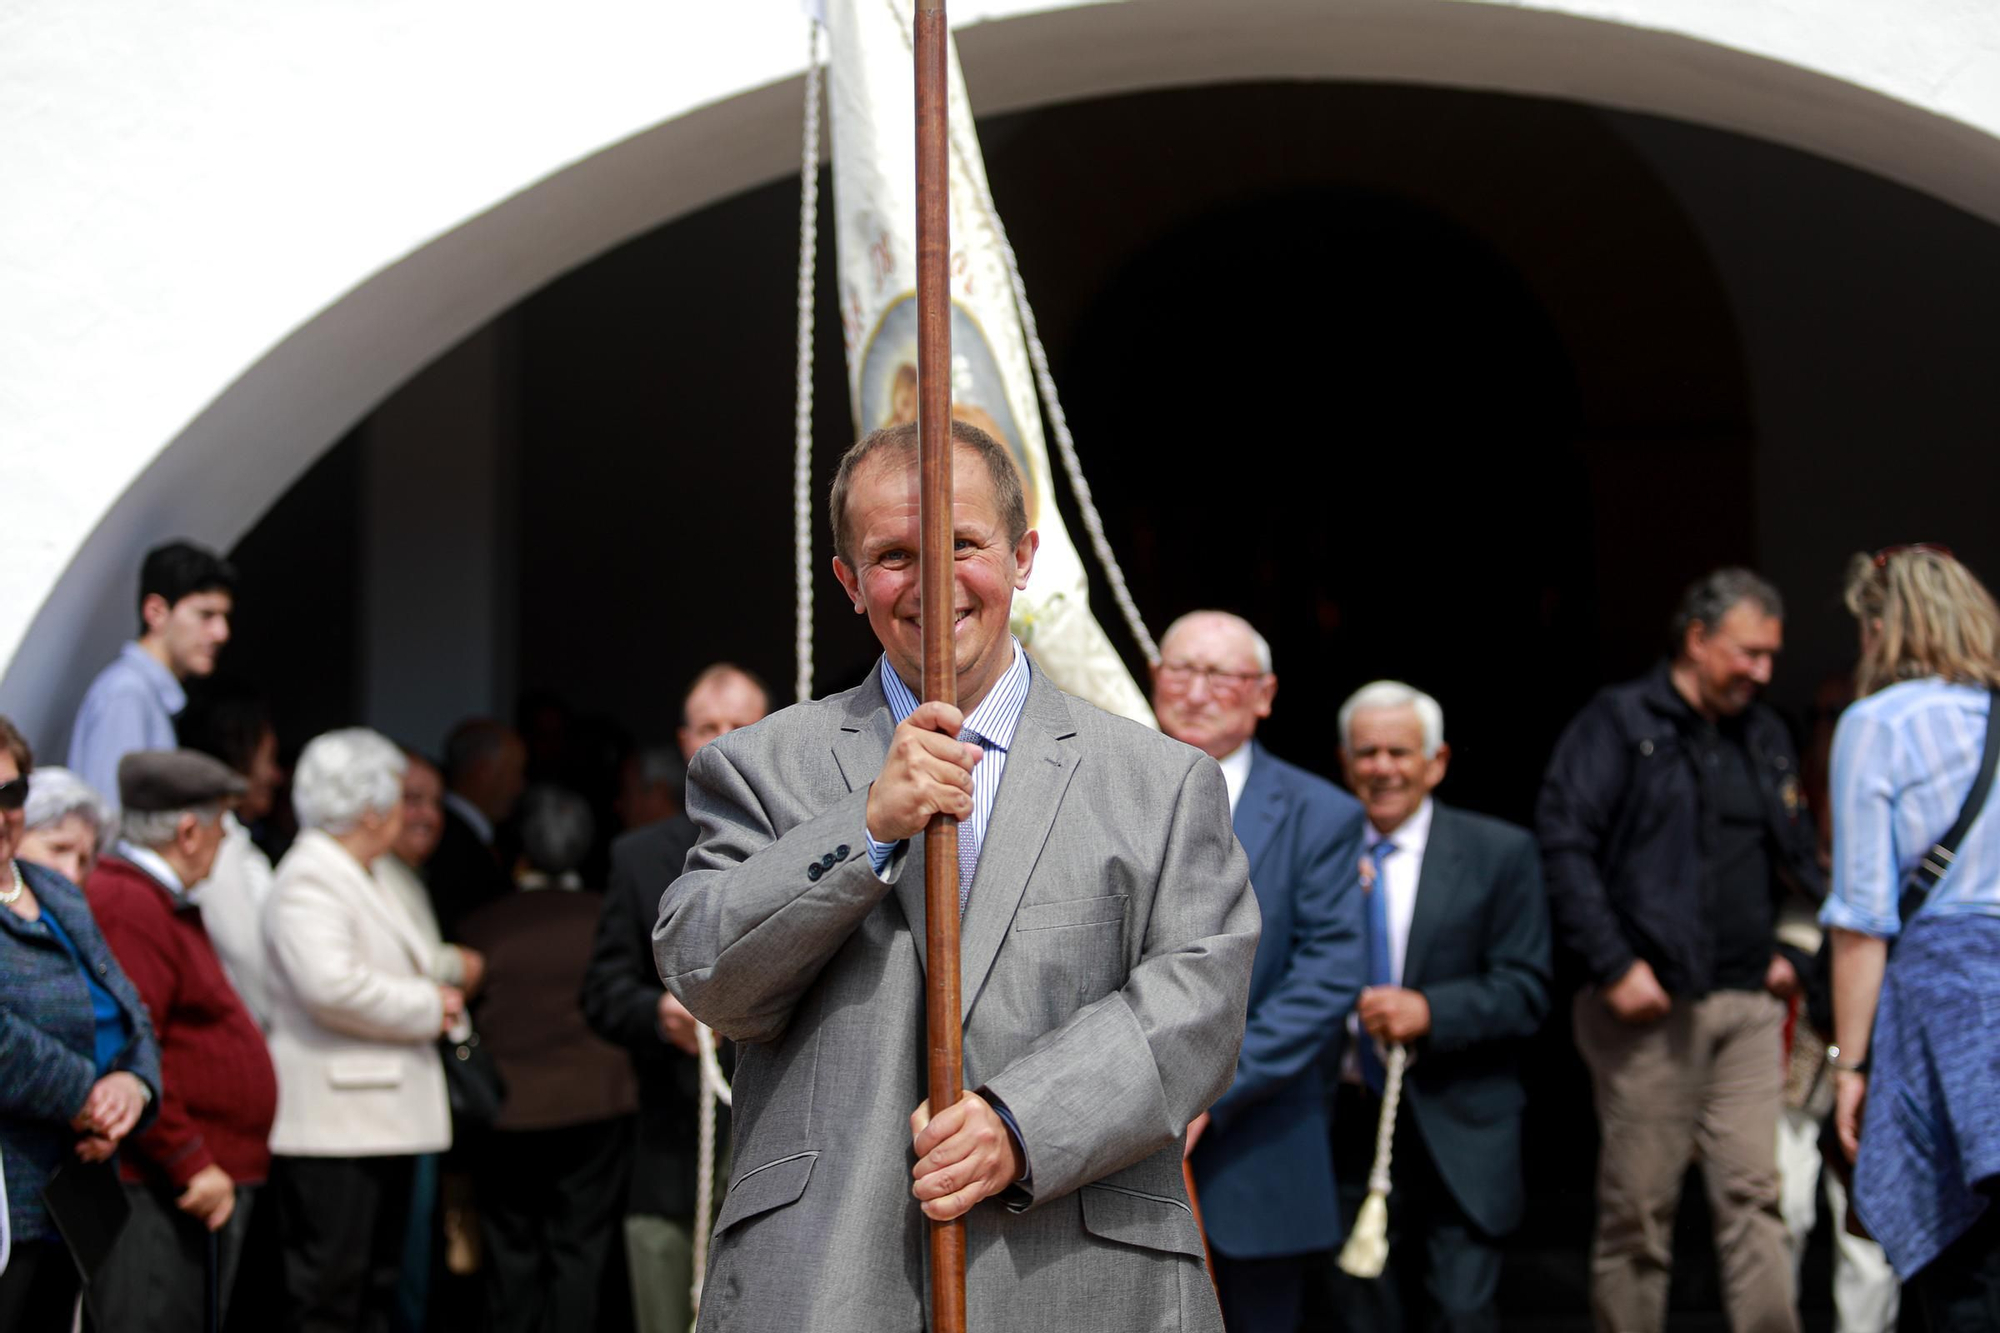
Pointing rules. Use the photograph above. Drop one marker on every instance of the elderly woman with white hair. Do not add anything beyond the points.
(355, 1019)
(67, 825)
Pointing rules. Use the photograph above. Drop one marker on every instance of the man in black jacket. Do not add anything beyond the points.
(1671, 823)
(625, 1002)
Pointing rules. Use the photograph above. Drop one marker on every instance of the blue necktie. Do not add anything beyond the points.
(1381, 969)
(968, 835)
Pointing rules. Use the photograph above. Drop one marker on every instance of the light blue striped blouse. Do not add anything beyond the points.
(992, 724)
(1903, 761)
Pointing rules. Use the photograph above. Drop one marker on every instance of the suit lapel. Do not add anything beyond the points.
(1040, 765)
(1261, 808)
(1437, 886)
(859, 748)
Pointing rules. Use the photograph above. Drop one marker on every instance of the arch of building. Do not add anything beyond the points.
(237, 227)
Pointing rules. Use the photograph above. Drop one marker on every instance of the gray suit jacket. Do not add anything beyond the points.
(1105, 965)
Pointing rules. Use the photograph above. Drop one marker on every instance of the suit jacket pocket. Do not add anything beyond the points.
(759, 1190)
(365, 1071)
(1071, 912)
(1150, 1221)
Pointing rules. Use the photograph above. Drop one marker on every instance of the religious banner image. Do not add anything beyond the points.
(872, 97)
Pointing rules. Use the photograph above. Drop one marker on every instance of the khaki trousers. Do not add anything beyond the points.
(1707, 1081)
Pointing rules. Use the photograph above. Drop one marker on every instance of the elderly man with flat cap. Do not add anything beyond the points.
(191, 1176)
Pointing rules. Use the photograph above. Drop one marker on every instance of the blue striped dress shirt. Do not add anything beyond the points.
(992, 725)
(1903, 761)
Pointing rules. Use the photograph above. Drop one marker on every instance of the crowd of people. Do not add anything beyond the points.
(417, 1049)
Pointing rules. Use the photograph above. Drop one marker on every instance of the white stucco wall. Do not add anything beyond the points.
(228, 228)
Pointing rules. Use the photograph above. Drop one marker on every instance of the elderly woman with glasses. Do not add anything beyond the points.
(79, 1069)
(1917, 1080)
(355, 1018)
(68, 824)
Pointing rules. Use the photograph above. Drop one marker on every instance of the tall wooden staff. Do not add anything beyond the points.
(934, 458)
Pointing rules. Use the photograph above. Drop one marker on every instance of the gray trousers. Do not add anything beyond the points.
(156, 1277)
(1707, 1080)
(659, 1252)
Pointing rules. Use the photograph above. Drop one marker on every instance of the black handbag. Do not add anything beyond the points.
(472, 1080)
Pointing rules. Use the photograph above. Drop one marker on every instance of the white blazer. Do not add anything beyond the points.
(354, 1013)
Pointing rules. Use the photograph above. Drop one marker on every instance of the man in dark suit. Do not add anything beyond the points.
(625, 1002)
(485, 771)
(1260, 1154)
(1458, 963)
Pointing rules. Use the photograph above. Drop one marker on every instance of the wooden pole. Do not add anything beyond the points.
(934, 460)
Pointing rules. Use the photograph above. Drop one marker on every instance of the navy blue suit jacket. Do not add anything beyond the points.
(1264, 1169)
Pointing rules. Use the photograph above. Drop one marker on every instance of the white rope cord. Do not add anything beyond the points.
(803, 420)
(1366, 1252)
(1045, 383)
(714, 1087)
(1079, 487)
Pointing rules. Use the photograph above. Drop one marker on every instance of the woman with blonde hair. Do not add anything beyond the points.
(1916, 850)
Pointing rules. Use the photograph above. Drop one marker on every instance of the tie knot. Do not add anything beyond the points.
(1382, 849)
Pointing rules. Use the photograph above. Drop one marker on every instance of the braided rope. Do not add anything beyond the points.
(1366, 1252)
(714, 1087)
(1385, 1128)
(803, 417)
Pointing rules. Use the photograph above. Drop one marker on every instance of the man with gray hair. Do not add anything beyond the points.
(1671, 823)
(1260, 1152)
(190, 1178)
(1458, 972)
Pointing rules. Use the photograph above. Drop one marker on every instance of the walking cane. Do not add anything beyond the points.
(1366, 1252)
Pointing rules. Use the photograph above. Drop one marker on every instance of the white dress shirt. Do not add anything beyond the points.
(1397, 874)
(1236, 773)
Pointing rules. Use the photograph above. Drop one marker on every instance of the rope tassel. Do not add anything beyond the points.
(1366, 1252)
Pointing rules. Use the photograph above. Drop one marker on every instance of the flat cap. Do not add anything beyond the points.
(154, 780)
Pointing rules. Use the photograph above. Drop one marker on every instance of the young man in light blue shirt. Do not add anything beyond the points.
(186, 596)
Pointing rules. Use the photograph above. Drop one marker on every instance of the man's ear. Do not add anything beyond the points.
(1024, 557)
(153, 611)
(850, 583)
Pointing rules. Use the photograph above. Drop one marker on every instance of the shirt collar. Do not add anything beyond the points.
(482, 827)
(998, 714)
(1236, 772)
(165, 688)
(1412, 835)
(156, 869)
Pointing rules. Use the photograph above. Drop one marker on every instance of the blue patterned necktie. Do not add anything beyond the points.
(968, 836)
(1381, 969)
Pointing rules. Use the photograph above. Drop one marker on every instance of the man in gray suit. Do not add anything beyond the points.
(1108, 932)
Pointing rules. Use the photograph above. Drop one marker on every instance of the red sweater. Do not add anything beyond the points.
(218, 1091)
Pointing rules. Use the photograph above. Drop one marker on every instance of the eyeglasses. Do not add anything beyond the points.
(14, 794)
(1180, 676)
(1888, 553)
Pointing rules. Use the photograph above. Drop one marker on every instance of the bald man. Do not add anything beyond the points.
(1261, 1154)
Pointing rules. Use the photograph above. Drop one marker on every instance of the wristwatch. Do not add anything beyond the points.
(1853, 1067)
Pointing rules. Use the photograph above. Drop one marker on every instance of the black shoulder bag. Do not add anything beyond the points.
(1917, 888)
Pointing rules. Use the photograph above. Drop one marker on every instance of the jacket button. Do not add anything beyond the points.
(1646, 748)
(103, 970)
(813, 871)
(828, 861)
(840, 852)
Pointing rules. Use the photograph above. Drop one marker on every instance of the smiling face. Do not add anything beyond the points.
(1723, 668)
(1386, 766)
(987, 569)
(423, 813)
